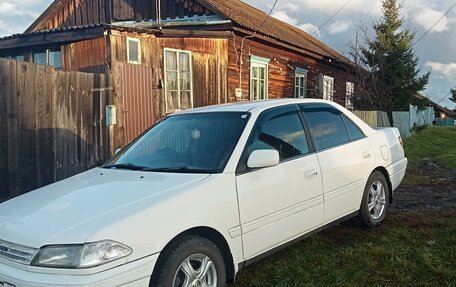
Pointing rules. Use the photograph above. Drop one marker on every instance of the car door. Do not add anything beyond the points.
(279, 203)
(345, 158)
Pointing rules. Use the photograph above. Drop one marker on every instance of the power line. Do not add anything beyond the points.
(435, 24)
(264, 22)
(332, 17)
(444, 98)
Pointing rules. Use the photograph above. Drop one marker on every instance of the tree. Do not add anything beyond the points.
(387, 67)
(453, 96)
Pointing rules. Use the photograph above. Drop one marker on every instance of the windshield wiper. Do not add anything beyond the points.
(178, 169)
(129, 166)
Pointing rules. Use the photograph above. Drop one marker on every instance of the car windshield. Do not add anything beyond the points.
(188, 143)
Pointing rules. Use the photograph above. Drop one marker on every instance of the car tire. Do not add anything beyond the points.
(375, 201)
(192, 261)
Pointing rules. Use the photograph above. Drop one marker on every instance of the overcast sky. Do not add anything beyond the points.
(437, 51)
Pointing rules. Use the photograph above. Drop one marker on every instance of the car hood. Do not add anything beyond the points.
(70, 210)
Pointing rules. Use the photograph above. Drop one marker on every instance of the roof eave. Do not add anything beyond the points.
(292, 47)
(52, 37)
(44, 16)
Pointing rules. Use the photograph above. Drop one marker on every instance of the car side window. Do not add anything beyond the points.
(284, 133)
(354, 132)
(327, 128)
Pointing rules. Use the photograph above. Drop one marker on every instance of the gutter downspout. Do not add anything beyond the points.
(158, 14)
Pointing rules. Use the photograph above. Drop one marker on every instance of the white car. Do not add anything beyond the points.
(202, 194)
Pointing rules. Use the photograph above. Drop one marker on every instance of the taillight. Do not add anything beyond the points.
(400, 140)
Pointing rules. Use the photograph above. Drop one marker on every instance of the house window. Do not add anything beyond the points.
(300, 83)
(258, 78)
(50, 57)
(178, 80)
(55, 58)
(328, 88)
(40, 57)
(134, 51)
(350, 91)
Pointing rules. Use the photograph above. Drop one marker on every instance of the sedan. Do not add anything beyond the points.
(202, 194)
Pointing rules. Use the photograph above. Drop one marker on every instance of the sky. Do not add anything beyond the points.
(437, 50)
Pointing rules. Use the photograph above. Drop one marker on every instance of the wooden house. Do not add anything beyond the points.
(200, 52)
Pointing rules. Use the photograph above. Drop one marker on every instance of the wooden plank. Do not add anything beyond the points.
(78, 123)
(49, 124)
(27, 125)
(72, 13)
(13, 149)
(101, 11)
(77, 80)
(39, 131)
(86, 124)
(138, 9)
(119, 138)
(94, 13)
(85, 12)
(5, 81)
(59, 135)
(171, 9)
(108, 11)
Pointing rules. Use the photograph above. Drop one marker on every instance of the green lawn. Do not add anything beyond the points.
(412, 248)
(438, 143)
(409, 249)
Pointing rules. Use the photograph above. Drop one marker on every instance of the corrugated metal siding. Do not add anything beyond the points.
(401, 121)
(421, 117)
(138, 99)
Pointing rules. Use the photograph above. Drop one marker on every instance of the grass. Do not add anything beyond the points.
(438, 143)
(435, 145)
(412, 248)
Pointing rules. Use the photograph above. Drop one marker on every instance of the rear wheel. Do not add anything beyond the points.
(375, 201)
(192, 262)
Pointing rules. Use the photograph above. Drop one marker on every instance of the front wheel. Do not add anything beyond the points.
(192, 262)
(375, 201)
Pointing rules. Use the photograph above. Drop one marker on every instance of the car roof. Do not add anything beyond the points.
(253, 107)
(257, 107)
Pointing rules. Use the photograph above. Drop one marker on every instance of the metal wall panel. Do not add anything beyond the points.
(139, 100)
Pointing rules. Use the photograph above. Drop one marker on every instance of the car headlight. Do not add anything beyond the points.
(80, 256)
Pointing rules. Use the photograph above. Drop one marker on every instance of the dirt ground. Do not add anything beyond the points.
(431, 187)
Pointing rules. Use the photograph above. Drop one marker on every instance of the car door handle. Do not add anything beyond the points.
(366, 154)
(311, 174)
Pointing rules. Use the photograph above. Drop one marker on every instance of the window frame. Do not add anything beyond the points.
(177, 51)
(349, 92)
(54, 50)
(306, 108)
(345, 118)
(328, 79)
(138, 42)
(242, 167)
(47, 53)
(262, 63)
(41, 52)
(300, 73)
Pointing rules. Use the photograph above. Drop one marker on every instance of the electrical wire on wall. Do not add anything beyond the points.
(243, 44)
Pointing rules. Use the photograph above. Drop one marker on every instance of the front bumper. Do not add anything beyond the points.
(134, 274)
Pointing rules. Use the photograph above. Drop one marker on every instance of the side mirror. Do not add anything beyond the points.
(263, 158)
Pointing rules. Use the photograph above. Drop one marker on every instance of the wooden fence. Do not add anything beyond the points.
(51, 125)
(404, 121)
